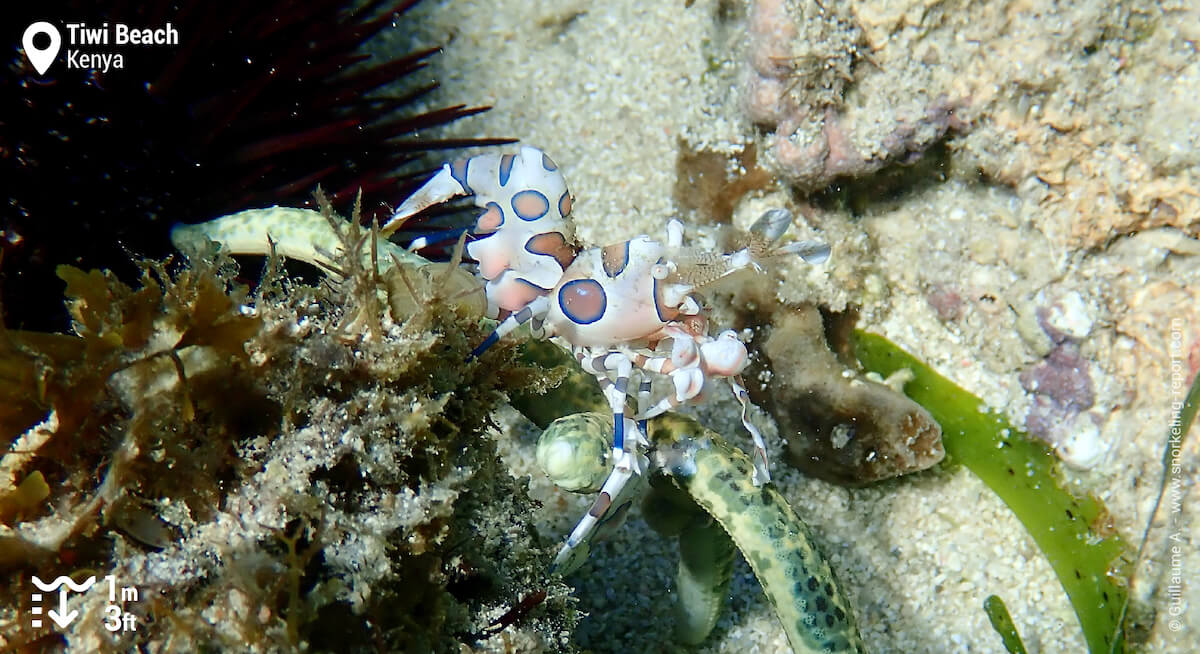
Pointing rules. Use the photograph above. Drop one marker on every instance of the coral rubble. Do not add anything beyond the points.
(268, 471)
(1051, 95)
(839, 427)
(805, 60)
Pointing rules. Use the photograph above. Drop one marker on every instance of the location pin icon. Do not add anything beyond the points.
(41, 58)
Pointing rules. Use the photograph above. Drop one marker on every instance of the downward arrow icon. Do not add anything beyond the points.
(61, 617)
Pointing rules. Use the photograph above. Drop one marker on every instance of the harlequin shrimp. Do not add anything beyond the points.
(628, 312)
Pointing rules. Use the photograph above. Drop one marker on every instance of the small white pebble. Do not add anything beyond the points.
(1082, 449)
(1071, 316)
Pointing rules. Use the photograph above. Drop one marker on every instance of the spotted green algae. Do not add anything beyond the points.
(795, 577)
(702, 579)
(997, 614)
(574, 450)
(703, 492)
(1088, 557)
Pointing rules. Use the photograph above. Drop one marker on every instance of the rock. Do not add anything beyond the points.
(840, 426)
(1067, 316)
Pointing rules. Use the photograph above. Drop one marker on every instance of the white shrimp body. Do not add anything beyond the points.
(625, 311)
(608, 297)
(524, 239)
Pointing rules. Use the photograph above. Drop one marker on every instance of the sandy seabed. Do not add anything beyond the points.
(1061, 113)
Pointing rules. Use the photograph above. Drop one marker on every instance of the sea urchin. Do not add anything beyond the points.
(256, 105)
